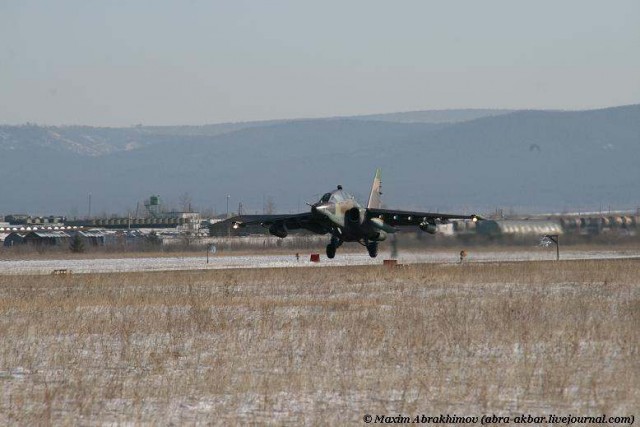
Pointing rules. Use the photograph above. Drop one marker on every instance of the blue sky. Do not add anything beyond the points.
(119, 63)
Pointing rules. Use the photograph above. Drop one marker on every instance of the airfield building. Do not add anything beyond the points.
(47, 237)
(507, 227)
(13, 239)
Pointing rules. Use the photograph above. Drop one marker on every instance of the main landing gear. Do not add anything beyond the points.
(331, 247)
(372, 248)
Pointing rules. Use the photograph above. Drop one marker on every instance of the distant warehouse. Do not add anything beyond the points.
(507, 227)
(51, 238)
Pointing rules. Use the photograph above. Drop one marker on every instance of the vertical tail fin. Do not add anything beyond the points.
(375, 199)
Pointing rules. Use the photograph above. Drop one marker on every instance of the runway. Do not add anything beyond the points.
(119, 265)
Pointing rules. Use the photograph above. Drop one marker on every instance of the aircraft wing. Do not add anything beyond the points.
(404, 218)
(291, 221)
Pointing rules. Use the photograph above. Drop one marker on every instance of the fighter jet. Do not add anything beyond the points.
(339, 214)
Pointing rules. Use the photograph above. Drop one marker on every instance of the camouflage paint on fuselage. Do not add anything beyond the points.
(335, 205)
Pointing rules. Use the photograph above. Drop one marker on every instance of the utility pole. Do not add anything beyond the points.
(89, 212)
(555, 239)
(228, 224)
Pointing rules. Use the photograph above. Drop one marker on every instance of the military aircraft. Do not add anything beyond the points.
(339, 214)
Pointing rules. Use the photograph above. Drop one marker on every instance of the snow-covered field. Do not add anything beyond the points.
(112, 265)
(303, 347)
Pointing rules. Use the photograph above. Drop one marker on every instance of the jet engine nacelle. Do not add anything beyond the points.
(352, 216)
(279, 229)
(353, 222)
(428, 227)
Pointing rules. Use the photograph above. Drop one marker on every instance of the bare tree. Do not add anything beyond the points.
(185, 202)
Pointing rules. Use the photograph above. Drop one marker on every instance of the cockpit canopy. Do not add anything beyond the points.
(336, 196)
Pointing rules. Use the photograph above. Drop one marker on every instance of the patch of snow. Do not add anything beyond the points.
(116, 265)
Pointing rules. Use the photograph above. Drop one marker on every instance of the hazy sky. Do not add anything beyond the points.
(118, 63)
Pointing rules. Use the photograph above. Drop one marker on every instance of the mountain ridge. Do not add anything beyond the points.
(96, 141)
(533, 160)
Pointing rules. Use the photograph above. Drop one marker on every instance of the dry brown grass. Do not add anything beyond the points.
(321, 346)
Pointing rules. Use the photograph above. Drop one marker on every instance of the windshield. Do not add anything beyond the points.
(340, 196)
(336, 196)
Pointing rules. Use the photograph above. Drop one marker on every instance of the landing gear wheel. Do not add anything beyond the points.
(331, 250)
(372, 248)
